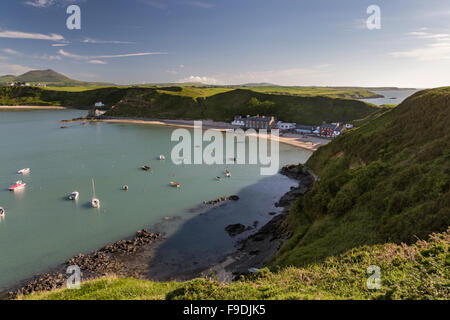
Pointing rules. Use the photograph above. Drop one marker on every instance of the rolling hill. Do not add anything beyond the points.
(48, 77)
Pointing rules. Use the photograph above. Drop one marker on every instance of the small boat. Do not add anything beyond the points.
(74, 195)
(162, 157)
(125, 188)
(95, 203)
(227, 173)
(24, 171)
(18, 186)
(174, 184)
(218, 178)
(2, 212)
(146, 168)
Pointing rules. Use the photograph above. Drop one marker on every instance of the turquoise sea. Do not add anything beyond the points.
(42, 228)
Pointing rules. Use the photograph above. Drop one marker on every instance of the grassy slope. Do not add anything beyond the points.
(385, 181)
(419, 271)
(224, 106)
(194, 103)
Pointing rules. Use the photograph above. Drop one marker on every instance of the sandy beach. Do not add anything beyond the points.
(297, 140)
(32, 108)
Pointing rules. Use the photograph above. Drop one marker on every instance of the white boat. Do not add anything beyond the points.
(19, 185)
(2, 212)
(24, 171)
(227, 174)
(74, 195)
(162, 157)
(95, 202)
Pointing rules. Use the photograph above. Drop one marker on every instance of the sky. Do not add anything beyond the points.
(285, 42)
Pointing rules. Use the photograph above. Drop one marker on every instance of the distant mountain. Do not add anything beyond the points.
(43, 76)
(48, 77)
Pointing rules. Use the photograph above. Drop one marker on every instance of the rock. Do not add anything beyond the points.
(233, 198)
(235, 229)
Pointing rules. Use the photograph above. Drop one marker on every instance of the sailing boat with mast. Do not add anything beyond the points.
(95, 202)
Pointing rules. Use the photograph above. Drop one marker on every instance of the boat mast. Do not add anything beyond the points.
(93, 188)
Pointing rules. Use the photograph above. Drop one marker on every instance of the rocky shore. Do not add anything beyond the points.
(111, 259)
(256, 250)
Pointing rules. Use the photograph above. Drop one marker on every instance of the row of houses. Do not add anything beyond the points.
(329, 130)
(26, 84)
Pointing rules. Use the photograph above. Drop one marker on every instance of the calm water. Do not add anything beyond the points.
(391, 96)
(42, 229)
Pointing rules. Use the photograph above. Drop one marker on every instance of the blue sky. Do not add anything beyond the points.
(288, 42)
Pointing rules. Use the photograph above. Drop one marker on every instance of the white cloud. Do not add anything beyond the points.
(206, 80)
(98, 59)
(34, 36)
(95, 61)
(89, 40)
(11, 51)
(49, 3)
(200, 4)
(40, 3)
(437, 49)
(6, 68)
(59, 44)
(172, 71)
(290, 76)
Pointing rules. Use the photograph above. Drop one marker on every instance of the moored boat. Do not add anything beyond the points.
(227, 173)
(24, 171)
(125, 188)
(74, 195)
(162, 157)
(2, 212)
(19, 185)
(95, 202)
(174, 184)
(146, 168)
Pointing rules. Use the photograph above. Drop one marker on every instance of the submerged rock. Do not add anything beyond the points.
(235, 229)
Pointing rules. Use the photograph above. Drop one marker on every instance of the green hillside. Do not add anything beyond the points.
(419, 271)
(48, 77)
(388, 180)
(185, 103)
(224, 106)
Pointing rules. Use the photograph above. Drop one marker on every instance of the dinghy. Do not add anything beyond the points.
(74, 195)
(174, 184)
(2, 212)
(24, 171)
(95, 202)
(162, 157)
(125, 188)
(18, 186)
(146, 168)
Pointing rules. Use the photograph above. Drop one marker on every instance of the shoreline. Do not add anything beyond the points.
(310, 143)
(32, 108)
(133, 256)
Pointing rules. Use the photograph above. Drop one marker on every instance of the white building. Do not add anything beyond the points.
(286, 125)
(238, 121)
(99, 105)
